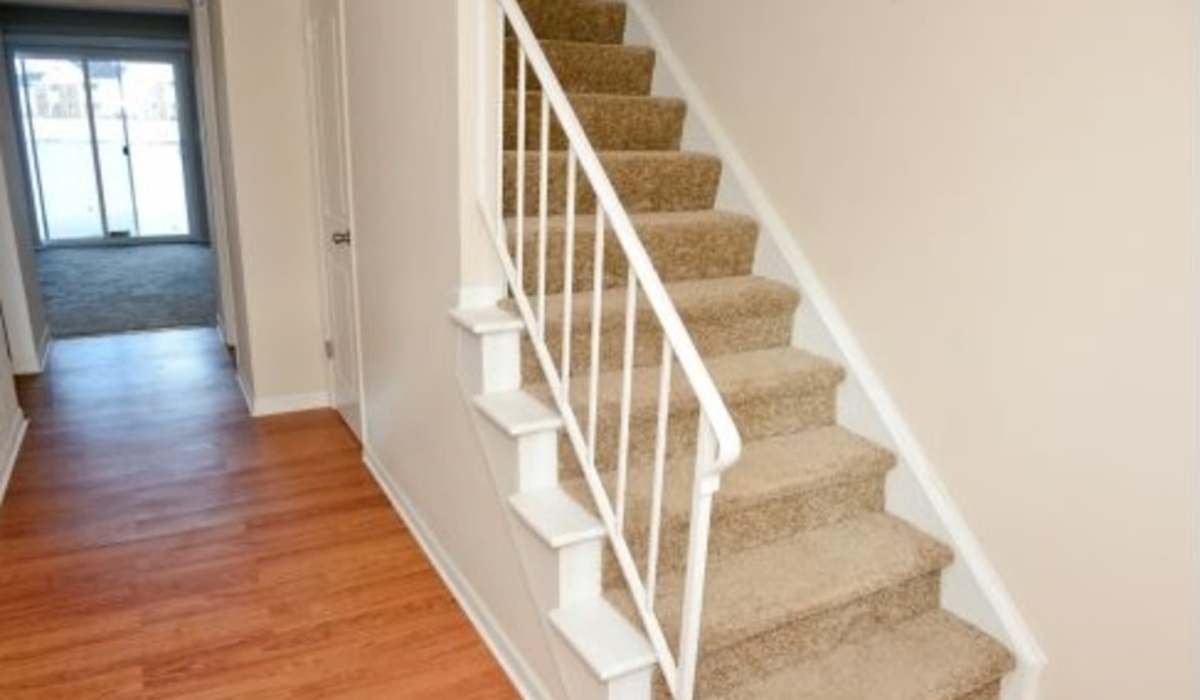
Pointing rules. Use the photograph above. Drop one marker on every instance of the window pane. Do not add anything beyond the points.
(107, 114)
(58, 133)
(152, 108)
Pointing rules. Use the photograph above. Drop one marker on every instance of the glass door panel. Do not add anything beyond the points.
(156, 147)
(112, 147)
(58, 143)
(104, 145)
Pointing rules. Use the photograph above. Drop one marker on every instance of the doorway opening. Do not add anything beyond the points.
(106, 128)
(103, 139)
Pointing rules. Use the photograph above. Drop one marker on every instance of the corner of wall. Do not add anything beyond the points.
(482, 278)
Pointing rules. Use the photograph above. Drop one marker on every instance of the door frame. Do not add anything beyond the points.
(314, 130)
(179, 55)
(29, 336)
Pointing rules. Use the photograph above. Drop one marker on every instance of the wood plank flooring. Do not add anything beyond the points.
(157, 542)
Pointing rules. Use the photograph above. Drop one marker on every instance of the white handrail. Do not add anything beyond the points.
(718, 443)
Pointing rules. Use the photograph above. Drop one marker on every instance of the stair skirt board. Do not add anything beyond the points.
(815, 587)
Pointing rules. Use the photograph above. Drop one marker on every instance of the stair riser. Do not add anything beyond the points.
(596, 22)
(721, 669)
(626, 125)
(737, 526)
(717, 335)
(588, 68)
(679, 253)
(683, 183)
(783, 408)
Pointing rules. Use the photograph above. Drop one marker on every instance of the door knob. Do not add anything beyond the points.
(340, 238)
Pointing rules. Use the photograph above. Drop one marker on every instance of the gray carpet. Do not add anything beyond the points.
(113, 289)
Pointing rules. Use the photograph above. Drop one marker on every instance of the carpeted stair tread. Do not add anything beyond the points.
(594, 21)
(932, 657)
(645, 181)
(769, 392)
(752, 592)
(695, 300)
(682, 245)
(724, 315)
(734, 375)
(770, 494)
(613, 69)
(796, 462)
(611, 122)
(813, 592)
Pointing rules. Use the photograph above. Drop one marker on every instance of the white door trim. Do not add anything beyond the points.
(211, 165)
(314, 131)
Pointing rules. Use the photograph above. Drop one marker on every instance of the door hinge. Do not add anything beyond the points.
(329, 349)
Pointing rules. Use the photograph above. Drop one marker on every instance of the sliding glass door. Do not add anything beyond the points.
(105, 145)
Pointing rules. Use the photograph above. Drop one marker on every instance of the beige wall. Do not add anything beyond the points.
(408, 215)
(269, 182)
(1000, 197)
(11, 419)
(20, 292)
(9, 410)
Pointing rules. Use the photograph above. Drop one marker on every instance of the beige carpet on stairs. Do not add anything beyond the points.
(814, 592)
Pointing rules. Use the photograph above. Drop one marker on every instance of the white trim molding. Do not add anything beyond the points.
(209, 132)
(12, 443)
(972, 588)
(43, 345)
(261, 406)
(291, 403)
(518, 669)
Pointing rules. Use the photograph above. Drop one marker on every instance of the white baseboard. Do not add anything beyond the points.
(506, 653)
(44, 348)
(260, 406)
(12, 447)
(274, 405)
(35, 364)
(247, 394)
(915, 490)
(227, 337)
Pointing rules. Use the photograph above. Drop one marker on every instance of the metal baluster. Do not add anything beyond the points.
(597, 297)
(626, 397)
(660, 458)
(520, 244)
(568, 275)
(500, 134)
(704, 485)
(543, 213)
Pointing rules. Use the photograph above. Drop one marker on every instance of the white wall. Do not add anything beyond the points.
(1001, 200)
(12, 421)
(409, 213)
(20, 292)
(269, 187)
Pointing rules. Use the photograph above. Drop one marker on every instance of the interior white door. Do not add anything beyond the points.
(326, 61)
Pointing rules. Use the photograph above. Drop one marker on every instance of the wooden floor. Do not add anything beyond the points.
(157, 542)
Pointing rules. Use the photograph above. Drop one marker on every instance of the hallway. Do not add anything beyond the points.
(156, 541)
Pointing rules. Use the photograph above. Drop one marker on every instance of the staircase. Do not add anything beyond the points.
(813, 591)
